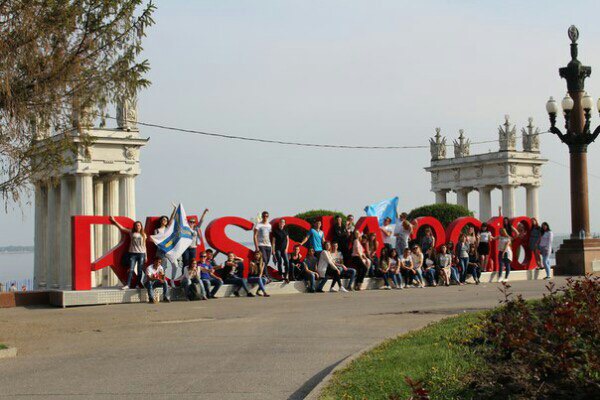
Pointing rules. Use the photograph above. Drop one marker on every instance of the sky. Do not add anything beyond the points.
(344, 72)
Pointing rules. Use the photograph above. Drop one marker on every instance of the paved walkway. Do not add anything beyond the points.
(247, 348)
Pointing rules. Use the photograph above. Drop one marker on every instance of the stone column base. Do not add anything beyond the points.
(578, 257)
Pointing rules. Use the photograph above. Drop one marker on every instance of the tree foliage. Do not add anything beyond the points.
(56, 57)
(445, 213)
(310, 216)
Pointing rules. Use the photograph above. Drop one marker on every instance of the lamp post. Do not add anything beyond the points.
(579, 254)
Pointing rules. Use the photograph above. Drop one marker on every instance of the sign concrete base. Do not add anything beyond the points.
(99, 296)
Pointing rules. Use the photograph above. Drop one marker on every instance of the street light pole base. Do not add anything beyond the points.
(578, 257)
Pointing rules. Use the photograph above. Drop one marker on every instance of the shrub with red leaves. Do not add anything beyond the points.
(547, 349)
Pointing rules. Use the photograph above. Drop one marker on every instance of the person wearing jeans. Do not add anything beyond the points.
(190, 253)
(137, 250)
(230, 275)
(505, 262)
(462, 252)
(545, 247)
(163, 223)
(191, 276)
(309, 272)
(208, 277)
(382, 270)
(327, 268)
(474, 267)
(262, 240)
(155, 275)
(506, 254)
(256, 274)
(280, 243)
(345, 272)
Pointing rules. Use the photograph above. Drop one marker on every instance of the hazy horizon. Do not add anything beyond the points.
(344, 72)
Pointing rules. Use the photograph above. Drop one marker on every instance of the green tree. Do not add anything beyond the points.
(445, 213)
(311, 216)
(56, 57)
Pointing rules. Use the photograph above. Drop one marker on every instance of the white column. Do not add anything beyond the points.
(111, 234)
(440, 197)
(508, 201)
(52, 232)
(40, 256)
(98, 230)
(83, 198)
(127, 196)
(532, 201)
(64, 237)
(84, 194)
(462, 197)
(485, 203)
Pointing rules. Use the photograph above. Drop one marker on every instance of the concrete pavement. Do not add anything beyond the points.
(246, 348)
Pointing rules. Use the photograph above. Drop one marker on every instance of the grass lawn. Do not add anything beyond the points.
(436, 355)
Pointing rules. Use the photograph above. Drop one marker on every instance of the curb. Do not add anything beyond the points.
(316, 391)
(10, 352)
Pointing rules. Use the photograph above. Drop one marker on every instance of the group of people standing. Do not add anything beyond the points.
(350, 255)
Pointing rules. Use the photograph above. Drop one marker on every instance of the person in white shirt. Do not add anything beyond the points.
(402, 233)
(190, 276)
(327, 267)
(387, 231)
(505, 254)
(345, 272)
(483, 245)
(262, 241)
(163, 223)
(155, 275)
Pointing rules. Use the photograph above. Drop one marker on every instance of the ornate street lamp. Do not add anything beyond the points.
(580, 254)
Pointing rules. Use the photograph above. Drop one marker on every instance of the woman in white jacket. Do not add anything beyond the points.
(327, 267)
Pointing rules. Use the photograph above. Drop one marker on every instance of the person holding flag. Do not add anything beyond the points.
(176, 238)
(190, 253)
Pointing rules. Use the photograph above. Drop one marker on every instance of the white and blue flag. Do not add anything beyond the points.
(176, 237)
(384, 209)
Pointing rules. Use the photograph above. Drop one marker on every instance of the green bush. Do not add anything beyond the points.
(311, 216)
(445, 213)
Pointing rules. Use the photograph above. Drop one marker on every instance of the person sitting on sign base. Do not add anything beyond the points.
(155, 275)
(230, 273)
(296, 264)
(328, 268)
(473, 266)
(310, 274)
(429, 270)
(382, 268)
(345, 272)
(208, 276)
(191, 282)
(256, 274)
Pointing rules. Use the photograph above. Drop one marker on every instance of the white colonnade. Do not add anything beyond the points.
(100, 181)
(506, 170)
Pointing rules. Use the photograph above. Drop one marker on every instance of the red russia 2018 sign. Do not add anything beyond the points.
(216, 237)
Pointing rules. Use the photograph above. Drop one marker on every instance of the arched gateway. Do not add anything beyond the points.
(506, 169)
